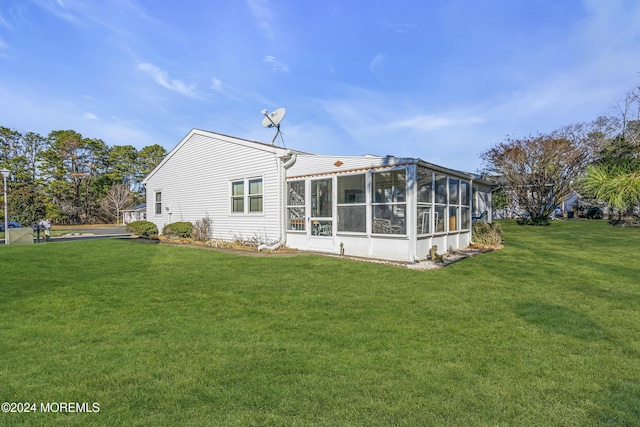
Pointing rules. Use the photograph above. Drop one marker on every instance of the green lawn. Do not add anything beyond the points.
(544, 332)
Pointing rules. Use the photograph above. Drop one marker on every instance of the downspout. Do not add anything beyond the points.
(283, 203)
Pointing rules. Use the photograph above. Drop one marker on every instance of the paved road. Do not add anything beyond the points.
(84, 233)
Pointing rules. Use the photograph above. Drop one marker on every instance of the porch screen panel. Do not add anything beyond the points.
(321, 198)
(321, 207)
(441, 217)
(352, 209)
(389, 202)
(425, 199)
(465, 203)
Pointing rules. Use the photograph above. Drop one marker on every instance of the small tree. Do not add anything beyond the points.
(537, 171)
(115, 200)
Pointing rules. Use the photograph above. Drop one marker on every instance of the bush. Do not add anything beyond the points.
(202, 229)
(178, 229)
(486, 234)
(142, 228)
(538, 220)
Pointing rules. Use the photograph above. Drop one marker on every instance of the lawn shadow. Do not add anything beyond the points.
(561, 320)
(613, 295)
(621, 404)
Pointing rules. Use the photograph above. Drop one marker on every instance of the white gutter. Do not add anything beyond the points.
(283, 201)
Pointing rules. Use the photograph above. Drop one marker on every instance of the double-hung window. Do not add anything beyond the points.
(389, 202)
(246, 195)
(158, 203)
(237, 196)
(255, 195)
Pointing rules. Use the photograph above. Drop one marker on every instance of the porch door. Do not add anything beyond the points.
(321, 226)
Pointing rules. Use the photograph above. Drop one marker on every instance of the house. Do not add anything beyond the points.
(135, 213)
(368, 206)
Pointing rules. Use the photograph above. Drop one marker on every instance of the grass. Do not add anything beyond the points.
(543, 332)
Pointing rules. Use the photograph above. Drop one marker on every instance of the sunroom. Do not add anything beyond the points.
(394, 209)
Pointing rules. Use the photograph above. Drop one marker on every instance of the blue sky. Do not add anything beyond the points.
(435, 79)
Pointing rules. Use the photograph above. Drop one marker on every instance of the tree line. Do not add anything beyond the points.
(599, 160)
(71, 179)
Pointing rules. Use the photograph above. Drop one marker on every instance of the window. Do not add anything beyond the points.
(465, 218)
(441, 189)
(255, 195)
(465, 202)
(454, 185)
(250, 200)
(424, 219)
(425, 196)
(295, 206)
(441, 217)
(425, 186)
(237, 196)
(389, 202)
(158, 203)
(464, 193)
(352, 209)
(453, 218)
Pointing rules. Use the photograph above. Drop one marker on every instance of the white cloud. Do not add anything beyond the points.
(3, 47)
(226, 90)
(275, 64)
(60, 9)
(376, 63)
(263, 15)
(162, 78)
(89, 116)
(430, 122)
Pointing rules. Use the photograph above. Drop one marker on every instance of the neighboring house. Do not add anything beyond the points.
(368, 206)
(136, 213)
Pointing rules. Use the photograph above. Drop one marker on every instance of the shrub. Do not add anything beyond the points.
(538, 220)
(178, 229)
(202, 229)
(142, 228)
(486, 234)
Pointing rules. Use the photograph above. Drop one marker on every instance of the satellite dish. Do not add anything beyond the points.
(273, 119)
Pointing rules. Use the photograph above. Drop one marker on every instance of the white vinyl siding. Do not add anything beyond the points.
(196, 177)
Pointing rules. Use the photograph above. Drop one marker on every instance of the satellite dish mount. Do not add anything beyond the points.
(272, 120)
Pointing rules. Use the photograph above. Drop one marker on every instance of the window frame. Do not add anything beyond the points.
(246, 196)
(157, 203)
